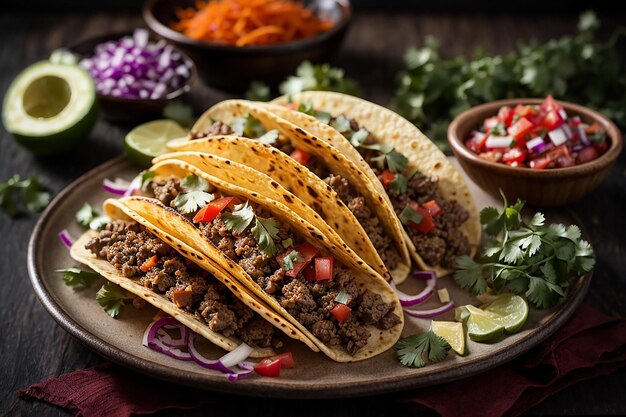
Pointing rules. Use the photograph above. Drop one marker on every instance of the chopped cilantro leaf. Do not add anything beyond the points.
(247, 126)
(77, 278)
(320, 77)
(16, 193)
(264, 232)
(112, 297)
(239, 219)
(89, 218)
(399, 184)
(408, 214)
(415, 351)
(290, 258)
(287, 243)
(194, 194)
(258, 91)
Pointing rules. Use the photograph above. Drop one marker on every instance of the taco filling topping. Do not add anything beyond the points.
(140, 255)
(431, 221)
(318, 292)
(250, 127)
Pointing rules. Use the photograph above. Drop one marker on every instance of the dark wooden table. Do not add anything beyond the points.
(33, 347)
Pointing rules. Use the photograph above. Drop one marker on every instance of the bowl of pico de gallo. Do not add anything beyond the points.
(543, 151)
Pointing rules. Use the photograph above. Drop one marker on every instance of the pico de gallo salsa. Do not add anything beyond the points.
(538, 136)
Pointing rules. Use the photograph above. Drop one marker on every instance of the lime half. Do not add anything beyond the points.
(512, 309)
(50, 107)
(482, 325)
(149, 140)
(452, 332)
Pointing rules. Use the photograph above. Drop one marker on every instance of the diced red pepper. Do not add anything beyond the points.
(268, 367)
(340, 312)
(307, 253)
(324, 268)
(301, 156)
(552, 120)
(520, 128)
(388, 176)
(285, 358)
(506, 114)
(309, 273)
(525, 111)
(433, 208)
(427, 224)
(549, 104)
(215, 207)
(149, 263)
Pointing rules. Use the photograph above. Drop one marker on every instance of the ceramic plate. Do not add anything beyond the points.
(314, 376)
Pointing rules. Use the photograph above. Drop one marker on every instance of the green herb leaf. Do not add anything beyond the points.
(179, 112)
(396, 161)
(414, 351)
(89, 218)
(239, 219)
(470, 275)
(359, 137)
(320, 77)
(141, 181)
(247, 126)
(290, 258)
(194, 195)
(399, 184)
(269, 137)
(77, 278)
(342, 298)
(16, 193)
(264, 232)
(112, 297)
(287, 243)
(258, 91)
(408, 214)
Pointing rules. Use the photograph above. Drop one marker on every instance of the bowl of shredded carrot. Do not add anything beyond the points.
(234, 42)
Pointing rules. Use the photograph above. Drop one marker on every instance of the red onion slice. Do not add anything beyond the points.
(65, 237)
(115, 187)
(152, 340)
(407, 300)
(427, 314)
(424, 275)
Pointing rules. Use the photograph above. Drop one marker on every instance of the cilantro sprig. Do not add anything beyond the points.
(194, 194)
(89, 218)
(112, 298)
(416, 350)
(526, 257)
(264, 231)
(77, 278)
(319, 77)
(17, 193)
(247, 126)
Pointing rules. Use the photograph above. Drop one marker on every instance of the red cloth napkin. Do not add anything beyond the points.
(590, 344)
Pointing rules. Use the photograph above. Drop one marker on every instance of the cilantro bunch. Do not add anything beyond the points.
(433, 90)
(530, 258)
(17, 193)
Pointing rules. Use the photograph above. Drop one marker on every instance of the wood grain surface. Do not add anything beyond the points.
(33, 347)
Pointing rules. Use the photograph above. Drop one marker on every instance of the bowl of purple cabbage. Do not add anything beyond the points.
(135, 75)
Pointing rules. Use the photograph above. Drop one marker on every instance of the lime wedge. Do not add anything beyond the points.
(50, 107)
(483, 325)
(512, 309)
(452, 332)
(149, 140)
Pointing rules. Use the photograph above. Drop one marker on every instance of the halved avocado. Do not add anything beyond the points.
(50, 107)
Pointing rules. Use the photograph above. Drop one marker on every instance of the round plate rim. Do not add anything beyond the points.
(267, 387)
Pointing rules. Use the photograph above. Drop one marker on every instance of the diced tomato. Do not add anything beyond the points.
(514, 155)
(182, 298)
(292, 106)
(309, 273)
(525, 111)
(490, 123)
(388, 176)
(324, 268)
(520, 128)
(285, 358)
(301, 156)
(540, 162)
(549, 104)
(149, 263)
(552, 120)
(506, 114)
(340, 312)
(601, 147)
(307, 253)
(433, 208)
(268, 367)
(215, 207)
(559, 151)
(566, 161)
(587, 154)
(427, 224)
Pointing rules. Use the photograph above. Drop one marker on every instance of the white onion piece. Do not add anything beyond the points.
(427, 314)
(236, 356)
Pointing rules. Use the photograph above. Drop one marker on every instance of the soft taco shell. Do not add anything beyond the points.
(247, 160)
(337, 162)
(116, 209)
(379, 341)
(389, 128)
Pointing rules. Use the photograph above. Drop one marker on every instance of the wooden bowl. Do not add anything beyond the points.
(233, 68)
(539, 187)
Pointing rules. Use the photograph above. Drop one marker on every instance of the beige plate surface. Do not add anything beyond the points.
(314, 376)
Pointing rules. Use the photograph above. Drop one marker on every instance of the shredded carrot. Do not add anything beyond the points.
(249, 22)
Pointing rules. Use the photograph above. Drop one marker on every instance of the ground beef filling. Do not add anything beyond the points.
(446, 241)
(218, 128)
(309, 302)
(128, 245)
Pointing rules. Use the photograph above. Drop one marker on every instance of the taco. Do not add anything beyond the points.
(265, 169)
(427, 193)
(355, 189)
(344, 307)
(182, 282)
